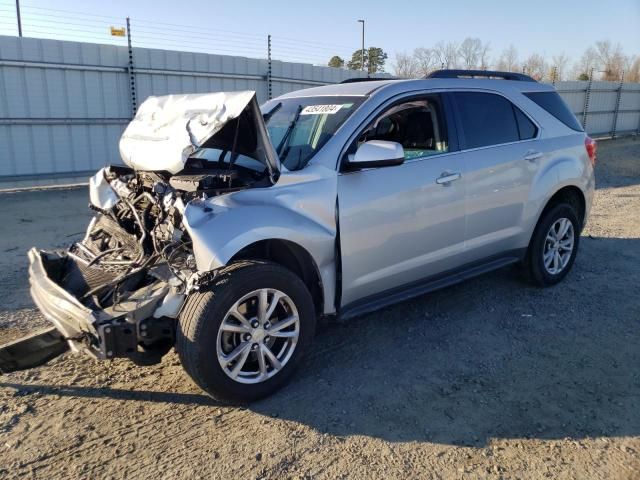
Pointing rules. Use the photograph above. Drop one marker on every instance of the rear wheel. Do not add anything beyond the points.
(554, 245)
(242, 338)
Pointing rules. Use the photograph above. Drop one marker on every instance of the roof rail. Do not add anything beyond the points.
(520, 77)
(366, 79)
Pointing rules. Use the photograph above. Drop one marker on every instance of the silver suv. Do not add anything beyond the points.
(234, 228)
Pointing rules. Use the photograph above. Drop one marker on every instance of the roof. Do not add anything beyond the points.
(398, 86)
(338, 89)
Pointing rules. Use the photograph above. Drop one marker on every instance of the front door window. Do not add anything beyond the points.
(417, 125)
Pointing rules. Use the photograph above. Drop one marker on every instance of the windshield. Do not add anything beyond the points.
(299, 127)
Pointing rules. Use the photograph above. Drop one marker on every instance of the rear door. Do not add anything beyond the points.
(402, 223)
(502, 157)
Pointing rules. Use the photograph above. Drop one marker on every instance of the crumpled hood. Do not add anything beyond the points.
(167, 130)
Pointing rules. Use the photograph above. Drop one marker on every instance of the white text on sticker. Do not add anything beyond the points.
(320, 109)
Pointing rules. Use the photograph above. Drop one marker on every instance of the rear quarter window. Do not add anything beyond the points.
(525, 126)
(553, 103)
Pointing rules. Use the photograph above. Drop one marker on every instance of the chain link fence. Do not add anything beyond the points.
(57, 24)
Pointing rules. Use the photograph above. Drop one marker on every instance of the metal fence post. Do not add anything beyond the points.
(587, 95)
(19, 18)
(269, 91)
(132, 75)
(617, 110)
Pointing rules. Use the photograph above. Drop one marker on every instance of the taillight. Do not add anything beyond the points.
(592, 147)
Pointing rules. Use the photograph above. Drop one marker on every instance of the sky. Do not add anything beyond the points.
(314, 31)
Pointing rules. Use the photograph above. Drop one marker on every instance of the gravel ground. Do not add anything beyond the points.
(490, 378)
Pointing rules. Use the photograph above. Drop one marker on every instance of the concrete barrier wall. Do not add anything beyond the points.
(64, 105)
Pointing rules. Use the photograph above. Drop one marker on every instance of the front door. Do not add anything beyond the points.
(403, 223)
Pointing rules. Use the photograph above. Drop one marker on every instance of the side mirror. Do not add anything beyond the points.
(377, 153)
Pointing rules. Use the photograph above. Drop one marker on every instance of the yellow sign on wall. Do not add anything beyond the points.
(118, 32)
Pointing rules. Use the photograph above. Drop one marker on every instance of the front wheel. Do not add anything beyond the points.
(554, 245)
(242, 338)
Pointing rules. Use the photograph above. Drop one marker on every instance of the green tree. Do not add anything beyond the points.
(377, 59)
(356, 60)
(374, 60)
(336, 61)
(583, 76)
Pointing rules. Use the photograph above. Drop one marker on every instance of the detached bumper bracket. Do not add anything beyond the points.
(32, 351)
(118, 339)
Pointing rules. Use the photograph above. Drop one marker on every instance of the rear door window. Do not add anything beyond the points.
(486, 119)
(553, 103)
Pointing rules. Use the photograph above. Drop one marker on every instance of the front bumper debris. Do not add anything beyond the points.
(127, 328)
(32, 351)
(72, 319)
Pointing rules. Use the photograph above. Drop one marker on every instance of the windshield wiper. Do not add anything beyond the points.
(284, 143)
(270, 113)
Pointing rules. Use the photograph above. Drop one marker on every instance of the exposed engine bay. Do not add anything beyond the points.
(141, 237)
(135, 265)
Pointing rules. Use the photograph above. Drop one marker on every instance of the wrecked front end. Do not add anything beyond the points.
(118, 292)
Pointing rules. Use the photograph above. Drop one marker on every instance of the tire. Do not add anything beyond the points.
(535, 268)
(201, 342)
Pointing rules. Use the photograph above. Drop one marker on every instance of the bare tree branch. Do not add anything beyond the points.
(469, 52)
(508, 60)
(446, 54)
(426, 61)
(405, 66)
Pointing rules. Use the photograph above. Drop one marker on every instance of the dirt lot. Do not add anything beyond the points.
(490, 378)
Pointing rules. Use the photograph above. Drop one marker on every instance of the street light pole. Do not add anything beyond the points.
(18, 17)
(362, 55)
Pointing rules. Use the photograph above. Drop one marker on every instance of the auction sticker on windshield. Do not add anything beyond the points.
(320, 109)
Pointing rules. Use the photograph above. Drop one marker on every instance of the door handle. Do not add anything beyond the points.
(446, 178)
(532, 156)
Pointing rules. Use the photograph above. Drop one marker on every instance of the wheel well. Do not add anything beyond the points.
(571, 195)
(291, 256)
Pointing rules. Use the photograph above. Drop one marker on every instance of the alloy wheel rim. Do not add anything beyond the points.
(558, 246)
(258, 336)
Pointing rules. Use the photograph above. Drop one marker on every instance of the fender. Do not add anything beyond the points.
(568, 167)
(222, 226)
